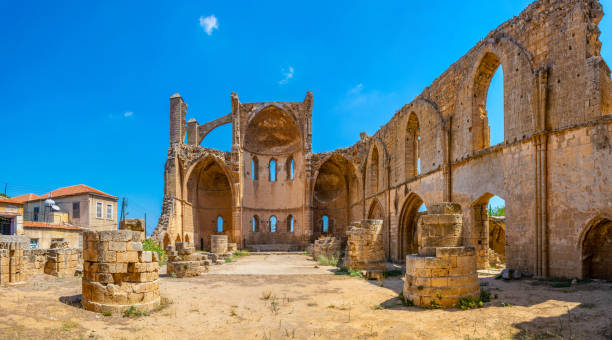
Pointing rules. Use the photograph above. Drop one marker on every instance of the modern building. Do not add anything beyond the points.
(83, 206)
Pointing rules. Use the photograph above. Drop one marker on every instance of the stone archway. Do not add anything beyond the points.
(597, 250)
(408, 226)
(210, 195)
(166, 241)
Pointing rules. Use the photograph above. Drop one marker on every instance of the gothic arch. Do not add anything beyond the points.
(596, 248)
(408, 226)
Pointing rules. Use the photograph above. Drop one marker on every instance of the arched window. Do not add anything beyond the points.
(290, 166)
(219, 224)
(272, 168)
(412, 158)
(488, 103)
(290, 222)
(273, 222)
(255, 223)
(254, 168)
(373, 171)
(325, 220)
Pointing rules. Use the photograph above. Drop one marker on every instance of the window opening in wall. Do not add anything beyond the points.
(495, 107)
(201, 244)
(36, 212)
(76, 209)
(325, 223)
(419, 155)
(99, 209)
(219, 224)
(5, 225)
(272, 167)
(255, 224)
(422, 208)
(290, 167)
(109, 211)
(254, 168)
(290, 224)
(33, 243)
(273, 222)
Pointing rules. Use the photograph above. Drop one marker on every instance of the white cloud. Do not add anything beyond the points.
(209, 23)
(356, 89)
(128, 114)
(286, 76)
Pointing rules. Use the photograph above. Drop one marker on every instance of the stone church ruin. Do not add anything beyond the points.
(272, 192)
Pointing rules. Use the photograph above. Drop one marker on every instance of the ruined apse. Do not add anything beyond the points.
(552, 168)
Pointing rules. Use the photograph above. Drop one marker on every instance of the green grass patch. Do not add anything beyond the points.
(241, 253)
(228, 260)
(107, 313)
(69, 325)
(351, 273)
(378, 307)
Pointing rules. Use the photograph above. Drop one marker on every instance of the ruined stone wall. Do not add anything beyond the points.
(557, 131)
(117, 273)
(183, 261)
(329, 247)
(365, 247)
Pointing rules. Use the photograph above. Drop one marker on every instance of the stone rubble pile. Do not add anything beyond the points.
(183, 261)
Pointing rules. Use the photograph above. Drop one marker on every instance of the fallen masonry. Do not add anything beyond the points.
(185, 262)
(364, 248)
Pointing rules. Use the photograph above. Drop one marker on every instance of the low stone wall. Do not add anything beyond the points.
(117, 273)
(443, 271)
(62, 262)
(365, 249)
(443, 279)
(218, 244)
(327, 246)
(185, 262)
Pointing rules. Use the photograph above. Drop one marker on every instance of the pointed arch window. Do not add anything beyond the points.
(412, 157)
(273, 222)
(255, 223)
(254, 168)
(219, 224)
(290, 223)
(272, 170)
(290, 167)
(325, 222)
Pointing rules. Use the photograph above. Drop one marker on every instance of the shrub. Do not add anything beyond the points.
(107, 313)
(266, 295)
(150, 245)
(241, 253)
(133, 312)
(228, 260)
(433, 304)
(468, 303)
(328, 261)
(351, 273)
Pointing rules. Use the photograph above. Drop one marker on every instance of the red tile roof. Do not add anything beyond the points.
(74, 190)
(25, 198)
(12, 200)
(30, 224)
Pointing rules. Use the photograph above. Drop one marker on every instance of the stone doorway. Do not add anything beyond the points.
(408, 227)
(597, 251)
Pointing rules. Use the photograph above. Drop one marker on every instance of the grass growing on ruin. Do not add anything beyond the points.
(150, 245)
(347, 272)
(134, 312)
(241, 253)
(68, 325)
(328, 261)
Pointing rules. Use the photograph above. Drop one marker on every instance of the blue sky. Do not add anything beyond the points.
(85, 85)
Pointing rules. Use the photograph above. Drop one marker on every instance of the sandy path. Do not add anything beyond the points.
(231, 302)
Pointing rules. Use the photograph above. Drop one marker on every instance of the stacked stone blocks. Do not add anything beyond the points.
(218, 244)
(365, 248)
(183, 261)
(327, 246)
(442, 272)
(117, 273)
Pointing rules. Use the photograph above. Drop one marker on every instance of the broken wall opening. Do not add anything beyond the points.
(597, 251)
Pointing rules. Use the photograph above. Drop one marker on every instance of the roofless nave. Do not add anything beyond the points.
(553, 168)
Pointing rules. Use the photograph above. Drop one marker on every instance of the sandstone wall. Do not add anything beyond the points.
(365, 248)
(117, 273)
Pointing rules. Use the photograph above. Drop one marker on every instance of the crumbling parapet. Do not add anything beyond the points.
(185, 262)
(117, 273)
(443, 271)
(134, 224)
(365, 249)
(326, 246)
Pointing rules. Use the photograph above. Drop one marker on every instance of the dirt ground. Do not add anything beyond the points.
(287, 297)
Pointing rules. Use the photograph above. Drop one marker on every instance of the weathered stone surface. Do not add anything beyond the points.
(364, 248)
(552, 168)
(329, 246)
(116, 275)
